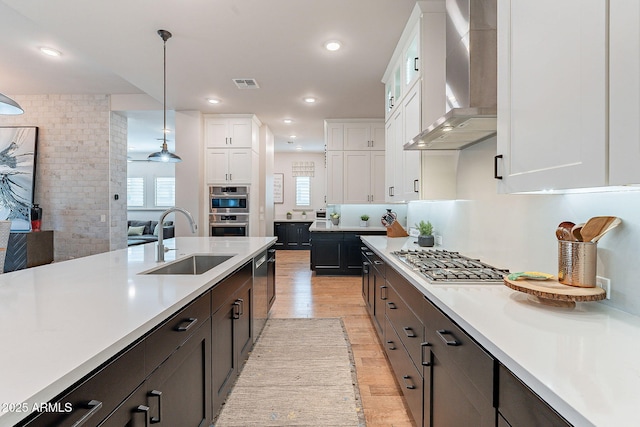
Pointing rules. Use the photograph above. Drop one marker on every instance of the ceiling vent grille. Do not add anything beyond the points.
(246, 83)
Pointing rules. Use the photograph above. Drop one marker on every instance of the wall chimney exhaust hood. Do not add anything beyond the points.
(471, 79)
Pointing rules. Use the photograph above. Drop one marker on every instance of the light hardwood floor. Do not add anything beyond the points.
(300, 293)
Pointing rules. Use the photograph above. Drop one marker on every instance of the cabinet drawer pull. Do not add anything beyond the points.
(452, 342)
(415, 64)
(241, 301)
(187, 324)
(141, 409)
(158, 394)
(391, 306)
(407, 384)
(495, 166)
(383, 292)
(378, 262)
(426, 361)
(416, 188)
(391, 345)
(409, 332)
(93, 406)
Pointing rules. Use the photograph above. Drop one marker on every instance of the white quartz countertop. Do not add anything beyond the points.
(582, 361)
(60, 321)
(327, 225)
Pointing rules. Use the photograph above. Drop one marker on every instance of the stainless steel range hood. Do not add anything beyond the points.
(471, 79)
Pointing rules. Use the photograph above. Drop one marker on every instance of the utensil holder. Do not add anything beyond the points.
(577, 262)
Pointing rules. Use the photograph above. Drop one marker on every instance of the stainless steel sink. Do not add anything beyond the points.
(194, 264)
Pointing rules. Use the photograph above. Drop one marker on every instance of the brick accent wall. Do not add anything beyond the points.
(118, 182)
(74, 168)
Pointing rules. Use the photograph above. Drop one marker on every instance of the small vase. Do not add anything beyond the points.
(364, 223)
(426, 241)
(335, 221)
(36, 218)
(288, 216)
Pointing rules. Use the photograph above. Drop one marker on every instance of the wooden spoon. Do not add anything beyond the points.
(563, 232)
(595, 227)
(613, 224)
(576, 231)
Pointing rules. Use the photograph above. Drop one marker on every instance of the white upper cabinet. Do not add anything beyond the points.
(364, 136)
(408, 175)
(624, 92)
(229, 166)
(334, 135)
(335, 177)
(364, 176)
(552, 94)
(411, 60)
(230, 132)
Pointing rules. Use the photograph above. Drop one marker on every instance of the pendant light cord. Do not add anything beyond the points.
(166, 35)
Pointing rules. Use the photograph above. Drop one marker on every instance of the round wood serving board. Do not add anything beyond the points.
(552, 292)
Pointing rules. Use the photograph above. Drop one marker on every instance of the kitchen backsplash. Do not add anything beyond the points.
(350, 214)
(518, 231)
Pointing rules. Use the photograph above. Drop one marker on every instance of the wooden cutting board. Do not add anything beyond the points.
(552, 292)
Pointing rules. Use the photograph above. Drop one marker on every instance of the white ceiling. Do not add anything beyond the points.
(112, 47)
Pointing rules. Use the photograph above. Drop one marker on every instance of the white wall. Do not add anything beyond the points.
(283, 164)
(518, 231)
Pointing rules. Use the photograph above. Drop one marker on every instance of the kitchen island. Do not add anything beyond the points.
(61, 321)
(581, 361)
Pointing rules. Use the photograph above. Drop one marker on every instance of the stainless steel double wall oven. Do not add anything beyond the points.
(229, 210)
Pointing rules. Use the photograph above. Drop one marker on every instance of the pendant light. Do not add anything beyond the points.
(164, 155)
(9, 106)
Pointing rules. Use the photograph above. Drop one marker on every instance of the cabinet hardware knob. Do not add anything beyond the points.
(93, 406)
(409, 332)
(495, 166)
(158, 394)
(452, 342)
(405, 379)
(391, 306)
(186, 324)
(391, 345)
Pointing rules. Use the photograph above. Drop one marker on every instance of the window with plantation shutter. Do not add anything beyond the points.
(165, 191)
(135, 191)
(303, 191)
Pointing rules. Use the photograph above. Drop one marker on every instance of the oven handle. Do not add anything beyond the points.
(229, 196)
(226, 224)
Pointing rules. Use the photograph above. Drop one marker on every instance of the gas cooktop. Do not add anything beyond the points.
(446, 267)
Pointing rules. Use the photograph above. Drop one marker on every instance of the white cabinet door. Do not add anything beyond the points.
(390, 170)
(624, 92)
(335, 177)
(357, 174)
(334, 136)
(217, 165)
(411, 60)
(240, 166)
(216, 133)
(410, 167)
(377, 189)
(228, 132)
(364, 136)
(552, 94)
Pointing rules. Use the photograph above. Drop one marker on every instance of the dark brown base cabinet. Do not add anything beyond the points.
(177, 375)
(292, 235)
(337, 252)
(448, 380)
(518, 406)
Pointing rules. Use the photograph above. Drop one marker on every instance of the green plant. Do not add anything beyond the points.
(364, 217)
(425, 228)
(335, 215)
(289, 213)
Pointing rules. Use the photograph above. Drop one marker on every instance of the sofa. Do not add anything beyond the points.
(139, 232)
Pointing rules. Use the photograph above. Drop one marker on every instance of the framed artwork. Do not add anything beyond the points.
(278, 188)
(17, 174)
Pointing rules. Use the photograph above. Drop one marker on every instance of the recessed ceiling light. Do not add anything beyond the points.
(292, 136)
(213, 101)
(332, 45)
(50, 51)
(309, 100)
(298, 148)
(288, 121)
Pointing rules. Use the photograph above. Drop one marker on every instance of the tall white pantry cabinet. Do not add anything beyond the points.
(568, 95)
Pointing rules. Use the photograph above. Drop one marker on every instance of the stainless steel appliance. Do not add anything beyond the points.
(228, 199)
(446, 267)
(221, 224)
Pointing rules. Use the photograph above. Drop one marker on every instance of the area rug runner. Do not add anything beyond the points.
(300, 373)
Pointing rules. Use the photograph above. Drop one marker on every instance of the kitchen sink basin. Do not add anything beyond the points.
(194, 264)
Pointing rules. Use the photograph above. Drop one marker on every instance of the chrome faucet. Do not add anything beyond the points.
(192, 223)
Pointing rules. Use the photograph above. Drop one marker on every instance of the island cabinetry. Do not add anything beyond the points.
(271, 276)
(379, 288)
(519, 406)
(337, 252)
(178, 392)
(292, 235)
(232, 337)
(462, 374)
(368, 290)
